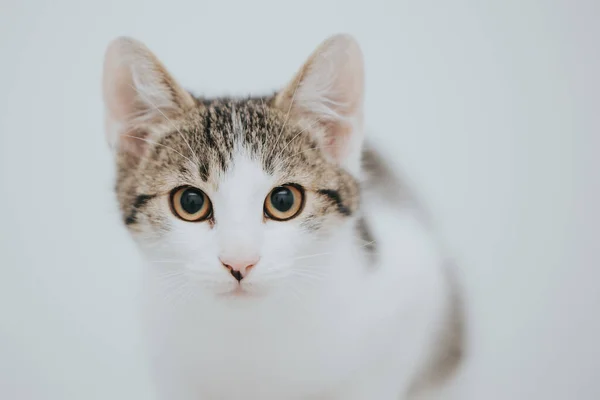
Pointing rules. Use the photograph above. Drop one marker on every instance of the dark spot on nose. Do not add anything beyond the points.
(236, 274)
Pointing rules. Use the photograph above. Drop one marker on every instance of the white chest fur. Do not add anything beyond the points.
(362, 332)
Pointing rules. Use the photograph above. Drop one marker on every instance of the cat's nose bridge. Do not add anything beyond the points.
(239, 248)
(239, 243)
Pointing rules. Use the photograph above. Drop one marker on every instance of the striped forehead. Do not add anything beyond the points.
(227, 126)
(252, 124)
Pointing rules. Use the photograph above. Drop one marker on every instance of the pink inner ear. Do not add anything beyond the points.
(122, 96)
(329, 89)
(336, 138)
(121, 106)
(118, 84)
(138, 92)
(135, 142)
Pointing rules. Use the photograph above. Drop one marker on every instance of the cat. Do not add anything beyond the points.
(283, 259)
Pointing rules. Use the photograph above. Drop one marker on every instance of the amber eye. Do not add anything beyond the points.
(284, 202)
(190, 204)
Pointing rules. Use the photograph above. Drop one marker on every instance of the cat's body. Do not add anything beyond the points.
(363, 332)
(348, 298)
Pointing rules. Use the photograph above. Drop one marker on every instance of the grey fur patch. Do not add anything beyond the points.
(380, 177)
(449, 349)
(367, 241)
(448, 352)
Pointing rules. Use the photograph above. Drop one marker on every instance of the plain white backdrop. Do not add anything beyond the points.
(490, 107)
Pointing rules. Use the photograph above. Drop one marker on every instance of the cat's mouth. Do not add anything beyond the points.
(240, 291)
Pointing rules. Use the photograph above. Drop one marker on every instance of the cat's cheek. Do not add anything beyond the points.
(188, 243)
(277, 252)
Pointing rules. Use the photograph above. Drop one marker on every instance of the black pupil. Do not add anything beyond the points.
(282, 199)
(192, 201)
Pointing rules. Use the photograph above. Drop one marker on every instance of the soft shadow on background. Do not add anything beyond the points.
(491, 107)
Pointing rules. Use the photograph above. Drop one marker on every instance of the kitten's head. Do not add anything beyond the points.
(237, 194)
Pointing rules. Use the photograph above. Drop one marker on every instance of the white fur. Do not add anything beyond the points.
(321, 323)
(319, 319)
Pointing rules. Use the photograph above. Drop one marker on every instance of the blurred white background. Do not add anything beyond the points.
(491, 108)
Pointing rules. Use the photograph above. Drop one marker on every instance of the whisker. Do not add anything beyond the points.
(170, 121)
(175, 295)
(310, 149)
(171, 273)
(187, 293)
(308, 274)
(287, 116)
(298, 134)
(172, 289)
(311, 255)
(158, 144)
(368, 243)
(167, 261)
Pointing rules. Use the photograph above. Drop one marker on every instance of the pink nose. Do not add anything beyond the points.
(239, 268)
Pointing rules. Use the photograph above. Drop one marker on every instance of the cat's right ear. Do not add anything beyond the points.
(329, 90)
(138, 92)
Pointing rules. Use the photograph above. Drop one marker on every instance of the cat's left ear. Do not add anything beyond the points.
(138, 93)
(328, 91)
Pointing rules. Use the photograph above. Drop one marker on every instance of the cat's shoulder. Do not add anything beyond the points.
(381, 179)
